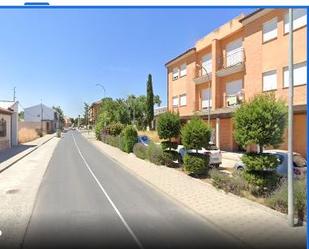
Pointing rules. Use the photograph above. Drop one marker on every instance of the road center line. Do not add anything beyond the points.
(108, 198)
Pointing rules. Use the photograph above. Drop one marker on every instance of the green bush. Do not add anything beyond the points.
(115, 128)
(279, 199)
(98, 129)
(256, 161)
(168, 126)
(169, 145)
(261, 182)
(140, 151)
(155, 153)
(235, 184)
(195, 134)
(196, 164)
(169, 157)
(128, 138)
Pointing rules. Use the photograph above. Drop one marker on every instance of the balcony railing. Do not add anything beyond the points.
(203, 75)
(234, 99)
(233, 59)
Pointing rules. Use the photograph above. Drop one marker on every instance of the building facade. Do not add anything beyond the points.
(93, 113)
(242, 58)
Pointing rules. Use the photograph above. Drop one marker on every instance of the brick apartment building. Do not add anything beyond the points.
(244, 57)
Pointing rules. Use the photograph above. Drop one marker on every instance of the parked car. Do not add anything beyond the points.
(215, 155)
(143, 139)
(300, 163)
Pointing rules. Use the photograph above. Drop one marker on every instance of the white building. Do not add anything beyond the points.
(8, 124)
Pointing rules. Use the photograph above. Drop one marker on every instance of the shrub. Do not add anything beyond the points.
(111, 140)
(256, 161)
(98, 129)
(234, 184)
(140, 151)
(128, 138)
(155, 153)
(196, 164)
(260, 121)
(169, 157)
(168, 126)
(259, 172)
(195, 134)
(115, 128)
(279, 199)
(169, 145)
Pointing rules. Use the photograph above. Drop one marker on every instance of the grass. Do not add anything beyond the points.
(26, 135)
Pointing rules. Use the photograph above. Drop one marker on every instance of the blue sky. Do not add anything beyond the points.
(59, 55)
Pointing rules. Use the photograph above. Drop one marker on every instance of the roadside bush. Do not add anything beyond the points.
(168, 127)
(169, 145)
(140, 151)
(111, 140)
(256, 161)
(195, 134)
(196, 164)
(98, 130)
(279, 199)
(115, 128)
(155, 153)
(169, 157)
(128, 138)
(260, 172)
(235, 184)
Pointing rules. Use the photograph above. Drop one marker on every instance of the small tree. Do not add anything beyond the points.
(260, 121)
(168, 126)
(149, 101)
(196, 134)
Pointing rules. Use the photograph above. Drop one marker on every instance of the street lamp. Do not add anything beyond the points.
(100, 85)
(209, 80)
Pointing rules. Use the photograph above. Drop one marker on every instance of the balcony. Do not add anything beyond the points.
(232, 63)
(234, 100)
(201, 76)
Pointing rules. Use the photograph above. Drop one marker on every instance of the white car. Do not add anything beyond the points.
(215, 154)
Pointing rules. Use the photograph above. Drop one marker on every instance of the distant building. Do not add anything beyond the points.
(8, 124)
(94, 110)
(39, 114)
(157, 112)
(67, 121)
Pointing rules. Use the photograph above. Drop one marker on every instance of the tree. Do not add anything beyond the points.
(195, 134)
(156, 100)
(260, 121)
(21, 115)
(60, 114)
(168, 127)
(86, 113)
(149, 101)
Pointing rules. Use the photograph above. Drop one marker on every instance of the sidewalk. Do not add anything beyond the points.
(254, 224)
(14, 154)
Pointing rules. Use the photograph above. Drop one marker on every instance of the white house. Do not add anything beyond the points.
(39, 114)
(8, 124)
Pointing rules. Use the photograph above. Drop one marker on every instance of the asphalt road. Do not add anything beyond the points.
(86, 200)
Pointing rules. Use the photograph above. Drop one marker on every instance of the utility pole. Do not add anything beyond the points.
(41, 118)
(14, 93)
(290, 125)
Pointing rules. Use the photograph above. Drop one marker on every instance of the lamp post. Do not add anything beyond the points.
(290, 124)
(209, 80)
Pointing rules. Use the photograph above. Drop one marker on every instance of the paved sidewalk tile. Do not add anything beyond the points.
(251, 222)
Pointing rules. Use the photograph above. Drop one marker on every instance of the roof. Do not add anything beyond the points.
(254, 15)
(5, 111)
(6, 104)
(96, 103)
(250, 15)
(181, 55)
(40, 105)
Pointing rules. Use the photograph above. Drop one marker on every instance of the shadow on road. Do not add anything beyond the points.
(8, 153)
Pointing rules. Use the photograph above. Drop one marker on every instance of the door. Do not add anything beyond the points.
(206, 97)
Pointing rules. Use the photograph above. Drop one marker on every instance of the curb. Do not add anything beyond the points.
(29, 152)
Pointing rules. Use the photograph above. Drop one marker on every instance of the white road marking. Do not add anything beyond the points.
(108, 198)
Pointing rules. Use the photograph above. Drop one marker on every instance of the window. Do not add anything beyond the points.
(207, 64)
(270, 30)
(234, 53)
(206, 98)
(183, 99)
(270, 80)
(299, 19)
(2, 128)
(183, 70)
(299, 76)
(175, 101)
(175, 73)
(233, 87)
